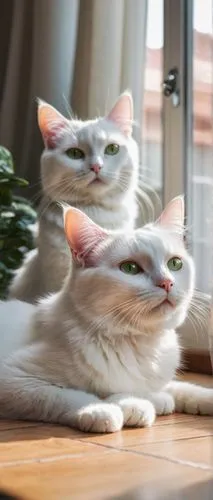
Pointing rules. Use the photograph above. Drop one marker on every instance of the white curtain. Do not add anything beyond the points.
(113, 51)
(72, 53)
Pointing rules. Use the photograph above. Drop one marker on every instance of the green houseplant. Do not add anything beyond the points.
(16, 219)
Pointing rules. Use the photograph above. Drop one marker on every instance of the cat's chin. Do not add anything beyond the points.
(96, 182)
(97, 188)
(162, 310)
(91, 179)
(164, 307)
(167, 303)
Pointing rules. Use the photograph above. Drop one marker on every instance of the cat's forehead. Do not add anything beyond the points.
(148, 241)
(96, 131)
(159, 241)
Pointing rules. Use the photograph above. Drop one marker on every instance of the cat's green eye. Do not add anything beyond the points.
(175, 264)
(129, 267)
(75, 153)
(111, 149)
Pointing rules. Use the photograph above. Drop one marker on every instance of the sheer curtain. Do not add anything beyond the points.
(72, 53)
(41, 37)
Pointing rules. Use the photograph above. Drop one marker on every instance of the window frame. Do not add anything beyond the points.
(175, 124)
(178, 152)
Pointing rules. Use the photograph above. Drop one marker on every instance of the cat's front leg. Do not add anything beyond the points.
(141, 411)
(191, 398)
(163, 402)
(25, 397)
(100, 417)
(137, 412)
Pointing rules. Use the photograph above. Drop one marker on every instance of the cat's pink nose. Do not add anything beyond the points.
(95, 167)
(165, 283)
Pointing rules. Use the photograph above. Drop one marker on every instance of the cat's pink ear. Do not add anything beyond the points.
(51, 124)
(122, 113)
(83, 236)
(172, 216)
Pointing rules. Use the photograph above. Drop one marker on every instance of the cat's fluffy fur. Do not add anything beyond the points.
(102, 353)
(110, 202)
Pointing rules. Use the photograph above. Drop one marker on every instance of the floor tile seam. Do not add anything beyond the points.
(56, 458)
(20, 427)
(145, 443)
(166, 441)
(188, 463)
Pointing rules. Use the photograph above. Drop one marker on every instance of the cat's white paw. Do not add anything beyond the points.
(136, 412)
(100, 417)
(164, 403)
(194, 403)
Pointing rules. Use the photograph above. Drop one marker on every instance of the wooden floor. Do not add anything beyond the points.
(171, 460)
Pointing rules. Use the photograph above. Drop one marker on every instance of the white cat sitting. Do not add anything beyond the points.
(92, 165)
(102, 353)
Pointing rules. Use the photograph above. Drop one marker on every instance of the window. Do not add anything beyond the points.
(200, 174)
(177, 140)
(152, 131)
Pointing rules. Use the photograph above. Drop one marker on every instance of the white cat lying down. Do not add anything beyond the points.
(101, 353)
